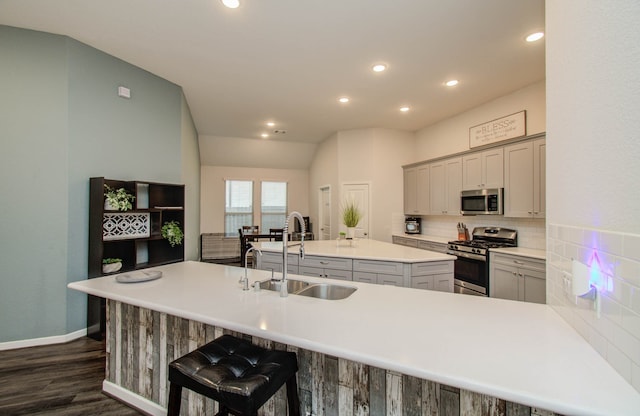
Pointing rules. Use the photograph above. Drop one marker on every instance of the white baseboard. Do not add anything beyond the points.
(137, 401)
(34, 342)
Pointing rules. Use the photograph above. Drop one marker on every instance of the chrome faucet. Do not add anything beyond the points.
(245, 280)
(285, 246)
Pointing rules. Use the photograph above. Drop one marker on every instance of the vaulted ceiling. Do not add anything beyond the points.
(288, 61)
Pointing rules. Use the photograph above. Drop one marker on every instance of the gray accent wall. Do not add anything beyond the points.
(62, 122)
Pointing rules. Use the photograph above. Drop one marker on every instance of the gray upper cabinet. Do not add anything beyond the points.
(445, 184)
(483, 170)
(524, 170)
(416, 190)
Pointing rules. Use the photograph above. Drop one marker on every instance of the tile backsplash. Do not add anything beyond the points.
(614, 261)
(531, 232)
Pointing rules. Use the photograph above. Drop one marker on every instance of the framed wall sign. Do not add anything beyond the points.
(508, 127)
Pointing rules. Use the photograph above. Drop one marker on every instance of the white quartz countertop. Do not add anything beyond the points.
(522, 251)
(517, 351)
(361, 249)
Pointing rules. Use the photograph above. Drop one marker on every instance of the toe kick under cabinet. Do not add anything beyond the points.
(517, 278)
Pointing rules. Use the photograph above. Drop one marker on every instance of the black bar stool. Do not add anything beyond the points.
(240, 376)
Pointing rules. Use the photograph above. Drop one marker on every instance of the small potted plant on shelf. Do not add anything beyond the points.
(172, 232)
(111, 265)
(117, 199)
(351, 216)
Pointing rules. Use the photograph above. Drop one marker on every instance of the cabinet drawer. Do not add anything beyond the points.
(329, 273)
(292, 259)
(434, 267)
(518, 261)
(375, 266)
(327, 262)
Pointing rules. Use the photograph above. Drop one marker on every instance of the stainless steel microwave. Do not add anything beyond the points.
(482, 202)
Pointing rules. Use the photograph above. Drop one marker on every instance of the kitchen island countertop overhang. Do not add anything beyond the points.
(517, 351)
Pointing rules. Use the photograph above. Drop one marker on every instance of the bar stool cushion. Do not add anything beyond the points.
(234, 372)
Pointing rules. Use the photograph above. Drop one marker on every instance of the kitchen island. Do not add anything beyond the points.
(382, 350)
(363, 260)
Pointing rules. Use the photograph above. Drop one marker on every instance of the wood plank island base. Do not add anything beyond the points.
(141, 343)
(383, 350)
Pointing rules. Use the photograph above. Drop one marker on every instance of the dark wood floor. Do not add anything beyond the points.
(62, 379)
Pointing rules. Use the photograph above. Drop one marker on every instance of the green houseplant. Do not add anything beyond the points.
(111, 265)
(351, 216)
(118, 199)
(172, 232)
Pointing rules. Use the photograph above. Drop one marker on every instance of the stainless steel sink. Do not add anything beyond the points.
(327, 291)
(314, 290)
(293, 285)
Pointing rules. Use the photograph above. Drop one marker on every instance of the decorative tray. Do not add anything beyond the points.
(139, 276)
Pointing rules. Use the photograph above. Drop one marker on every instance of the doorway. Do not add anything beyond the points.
(359, 194)
(325, 213)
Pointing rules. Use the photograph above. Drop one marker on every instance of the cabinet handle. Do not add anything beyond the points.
(520, 274)
(324, 262)
(514, 273)
(530, 212)
(518, 262)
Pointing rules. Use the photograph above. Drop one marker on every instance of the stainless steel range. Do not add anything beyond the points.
(471, 269)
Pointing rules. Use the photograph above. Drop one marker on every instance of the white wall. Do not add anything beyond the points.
(452, 135)
(593, 103)
(324, 172)
(373, 156)
(212, 192)
(247, 152)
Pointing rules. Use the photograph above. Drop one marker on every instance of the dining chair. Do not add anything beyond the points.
(275, 234)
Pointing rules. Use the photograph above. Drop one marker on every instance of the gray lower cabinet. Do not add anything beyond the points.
(433, 246)
(436, 275)
(273, 261)
(381, 272)
(404, 241)
(330, 267)
(517, 278)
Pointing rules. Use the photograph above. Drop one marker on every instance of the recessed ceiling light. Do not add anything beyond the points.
(271, 123)
(344, 100)
(404, 109)
(264, 135)
(535, 36)
(232, 4)
(379, 67)
(451, 83)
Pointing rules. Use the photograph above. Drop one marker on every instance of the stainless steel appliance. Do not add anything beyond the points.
(471, 268)
(412, 225)
(481, 202)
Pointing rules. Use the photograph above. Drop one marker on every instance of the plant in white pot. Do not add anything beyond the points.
(117, 199)
(351, 216)
(172, 232)
(111, 265)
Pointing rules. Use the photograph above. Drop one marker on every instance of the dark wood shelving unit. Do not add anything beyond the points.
(161, 202)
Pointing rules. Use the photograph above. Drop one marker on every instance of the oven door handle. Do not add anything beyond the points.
(467, 255)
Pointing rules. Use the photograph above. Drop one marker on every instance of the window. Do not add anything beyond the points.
(238, 209)
(274, 205)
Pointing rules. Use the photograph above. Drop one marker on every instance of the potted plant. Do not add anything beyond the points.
(351, 216)
(117, 199)
(111, 265)
(172, 232)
